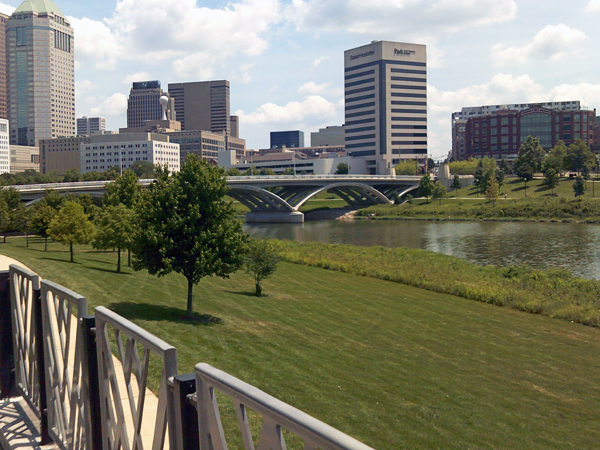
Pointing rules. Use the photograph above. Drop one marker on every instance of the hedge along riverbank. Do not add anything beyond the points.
(523, 209)
(553, 292)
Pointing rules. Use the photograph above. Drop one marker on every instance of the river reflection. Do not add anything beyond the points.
(569, 245)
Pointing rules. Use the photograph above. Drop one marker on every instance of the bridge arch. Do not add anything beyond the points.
(259, 199)
(352, 193)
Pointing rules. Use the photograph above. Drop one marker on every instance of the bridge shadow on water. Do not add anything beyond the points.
(147, 311)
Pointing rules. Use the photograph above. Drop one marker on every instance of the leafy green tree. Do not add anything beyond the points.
(430, 164)
(551, 178)
(439, 191)
(464, 167)
(114, 229)
(112, 174)
(426, 186)
(124, 189)
(525, 172)
(342, 169)
(500, 177)
(42, 217)
(556, 159)
(71, 226)
(11, 196)
(72, 175)
(260, 262)
(21, 220)
(5, 223)
(92, 176)
(532, 153)
(503, 165)
(143, 169)
(53, 199)
(579, 186)
(233, 172)
(486, 170)
(406, 168)
(186, 226)
(493, 191)
(579, 155)
(288, 171)
(456, 183)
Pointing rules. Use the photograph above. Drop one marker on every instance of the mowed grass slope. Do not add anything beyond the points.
(394, 366)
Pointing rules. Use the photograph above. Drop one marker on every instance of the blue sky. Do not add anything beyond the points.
(284, 59)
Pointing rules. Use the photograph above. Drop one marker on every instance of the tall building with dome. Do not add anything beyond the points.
(40, 73)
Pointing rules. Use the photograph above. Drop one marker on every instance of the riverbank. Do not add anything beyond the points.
(544, 209)
(552, 292)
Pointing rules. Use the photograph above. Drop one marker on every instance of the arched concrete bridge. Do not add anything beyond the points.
(272, 198)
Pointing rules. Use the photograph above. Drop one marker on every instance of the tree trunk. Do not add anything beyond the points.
(257, 288)
(128, 258)
(46, 244)
(118, 260)
(27, 238)
(190, 299)
(71, 248)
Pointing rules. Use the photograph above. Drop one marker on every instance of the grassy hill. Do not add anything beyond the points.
(394, 366)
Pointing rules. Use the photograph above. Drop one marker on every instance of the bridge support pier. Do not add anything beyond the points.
(275, 217)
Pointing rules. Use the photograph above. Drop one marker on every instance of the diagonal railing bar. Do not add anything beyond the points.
(124, 403)
(67, 384)
(26, 347)
(276, 415)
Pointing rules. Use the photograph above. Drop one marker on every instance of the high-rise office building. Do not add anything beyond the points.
(386, 103)
(234, 126)
(3, 102)
(86, 126)
(4, 148)
(202, 105)
(41, 73)
(143, 104)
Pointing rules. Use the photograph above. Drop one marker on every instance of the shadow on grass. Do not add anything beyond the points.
(61, 260)
(145, 311)
(112, 271)
(246, 294)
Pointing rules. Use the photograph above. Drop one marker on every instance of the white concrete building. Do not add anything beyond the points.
(123, 150)
(4, 147)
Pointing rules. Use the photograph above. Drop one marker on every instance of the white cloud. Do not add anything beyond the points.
(312, 88)
(6, 9)
(317, 62)
(115, 105)
(412, 17)
(243, 73)
(314, 109)
(95, 42)
(196, 65)
(588, 94)
(593, 6)
(139, 76)
(83, 86)
(155, 29)
(552, 43)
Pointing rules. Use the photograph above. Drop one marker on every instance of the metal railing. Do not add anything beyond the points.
(66, 384)
(96, 373)
(124, 422)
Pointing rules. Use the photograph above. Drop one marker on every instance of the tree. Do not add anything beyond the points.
(233, 172)
(266, 171)
(4, 218)
(500, 177)
(41, 220)
(71, 226)
(551, 179)
(430, 164)
(426, 186)
(53, 199)
(556, 159)
(531, 152)
(115, 229)
(525, 172)
(486, 169)
(579, 187)
(406, 168)
(503, 165)
(456, 183)
(72, 175)
(260, 262)
(439, 191)
(342, 169)
(124, 189)
(493, 191)
(579, 155)
(186, 226)
(21, 220)
(288, 171)
(143, 169)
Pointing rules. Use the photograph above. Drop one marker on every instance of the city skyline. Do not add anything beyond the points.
(285, 59)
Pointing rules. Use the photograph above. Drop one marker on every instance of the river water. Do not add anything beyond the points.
(569, 245)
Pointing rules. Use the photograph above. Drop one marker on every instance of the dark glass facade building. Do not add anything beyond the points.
(288, 138)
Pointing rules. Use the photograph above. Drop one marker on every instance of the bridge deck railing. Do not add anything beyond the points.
(97, 392)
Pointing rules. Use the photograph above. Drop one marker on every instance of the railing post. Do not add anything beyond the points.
(7, 363)
(41, 364)
(186, 414)
(90, 371)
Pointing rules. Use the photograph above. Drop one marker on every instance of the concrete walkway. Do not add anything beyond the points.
(20, 427)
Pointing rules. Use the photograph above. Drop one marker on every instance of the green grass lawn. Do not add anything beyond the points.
(394, 366)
